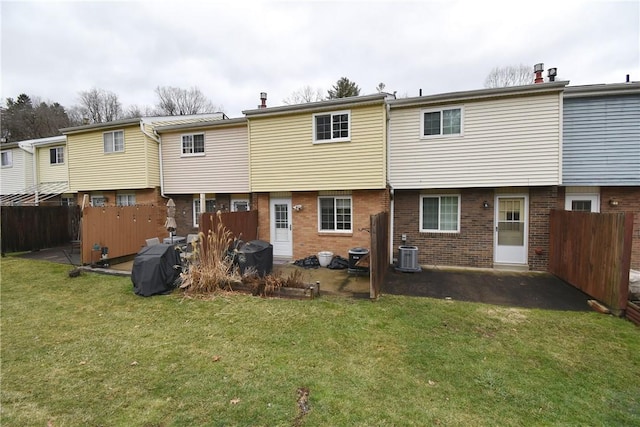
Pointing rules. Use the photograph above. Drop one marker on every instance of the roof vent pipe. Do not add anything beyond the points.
(538, 69)
(263, 99)
(420, 92)
(628, 78)
(552, 73)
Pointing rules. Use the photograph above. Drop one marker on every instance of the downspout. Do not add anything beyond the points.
(157, 139)
(391, 190)
(29, 148)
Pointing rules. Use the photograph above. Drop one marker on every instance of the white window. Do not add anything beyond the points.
(56, 155)
(334, 214)
(113, 141)
(210, 206)
(441, 122)
(7, 159)
(68, 201)
(127, 199)
(240, 205)
(332, 127)
(582, 202)
(193, 144)
(440, 213)
(98, 200)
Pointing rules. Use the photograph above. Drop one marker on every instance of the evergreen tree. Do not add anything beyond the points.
(343, 88)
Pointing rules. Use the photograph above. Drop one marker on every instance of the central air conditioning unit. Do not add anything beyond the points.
(408, 259)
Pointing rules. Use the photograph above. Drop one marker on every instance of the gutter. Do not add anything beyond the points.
(157, 139)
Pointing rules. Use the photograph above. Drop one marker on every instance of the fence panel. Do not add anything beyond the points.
(379, 254)
(26, 228)
(243, 225)
(122, 229)
(592, 251)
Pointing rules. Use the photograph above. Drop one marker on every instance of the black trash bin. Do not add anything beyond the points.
(355, 255)
(257, 255)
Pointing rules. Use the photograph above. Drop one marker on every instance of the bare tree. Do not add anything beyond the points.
(173, 101)
(100, 106)
(303, 95)
(380, 87)
(510, 75)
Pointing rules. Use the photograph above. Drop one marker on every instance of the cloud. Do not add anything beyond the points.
(233, 51)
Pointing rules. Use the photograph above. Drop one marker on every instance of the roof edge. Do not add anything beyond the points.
(603, 89)
(481, 94)
(319, 105)
(201, 125)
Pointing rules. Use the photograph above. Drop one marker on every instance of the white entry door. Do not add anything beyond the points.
(281, 238)
(511, 229)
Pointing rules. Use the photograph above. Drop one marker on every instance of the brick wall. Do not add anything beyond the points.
(541, 201)
(184, 211)
(472, 247)
(306, 238)
(628, 199)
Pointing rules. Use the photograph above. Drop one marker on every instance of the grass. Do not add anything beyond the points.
(87, 351)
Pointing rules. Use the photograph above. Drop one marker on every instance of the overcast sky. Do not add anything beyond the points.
(233, 50)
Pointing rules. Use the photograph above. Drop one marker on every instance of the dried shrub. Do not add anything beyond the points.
(211, 266)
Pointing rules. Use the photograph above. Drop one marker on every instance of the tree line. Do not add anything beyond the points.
(28, 118)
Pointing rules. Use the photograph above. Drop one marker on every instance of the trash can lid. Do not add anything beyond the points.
(359, 251)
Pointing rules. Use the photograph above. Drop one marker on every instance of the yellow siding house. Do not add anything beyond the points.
(318, 171)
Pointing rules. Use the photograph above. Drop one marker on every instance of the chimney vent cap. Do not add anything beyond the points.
(538, 68)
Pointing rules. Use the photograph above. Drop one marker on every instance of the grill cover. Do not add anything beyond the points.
(154, 270)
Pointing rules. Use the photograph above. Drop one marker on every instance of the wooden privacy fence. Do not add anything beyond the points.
(379, 254)
(243, 225)
(26, 228)
(122, 229)
(592, 251)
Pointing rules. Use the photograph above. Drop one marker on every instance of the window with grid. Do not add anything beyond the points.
(56, 155)
(335, 214)
(442, 122)
(440, 213)
(332, 127)
(113, 141)
(193, 144)
(210, 206)
(126, 199)
(7, 159)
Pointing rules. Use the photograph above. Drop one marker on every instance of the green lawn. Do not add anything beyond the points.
(87, 351)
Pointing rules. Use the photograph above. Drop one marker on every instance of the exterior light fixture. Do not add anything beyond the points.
(613, 202)
(485, 204)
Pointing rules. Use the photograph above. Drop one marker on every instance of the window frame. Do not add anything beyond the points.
(196, 215)
(128, 196)
(335, 214)
(193, 153)
(594, 198)
(234, 201)
(97, 197)
(331, 114)
(441, 110)
(59, 153)
(8, 154)
(113, 141)
(439, 197)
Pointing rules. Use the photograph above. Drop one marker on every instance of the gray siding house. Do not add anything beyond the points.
(601, 151)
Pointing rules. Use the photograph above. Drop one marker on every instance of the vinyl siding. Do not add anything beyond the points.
(48, 172)
(602, 141)
(284, 157)
(19, 177)
(90, 168)
(223, 169)
(510, 141)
